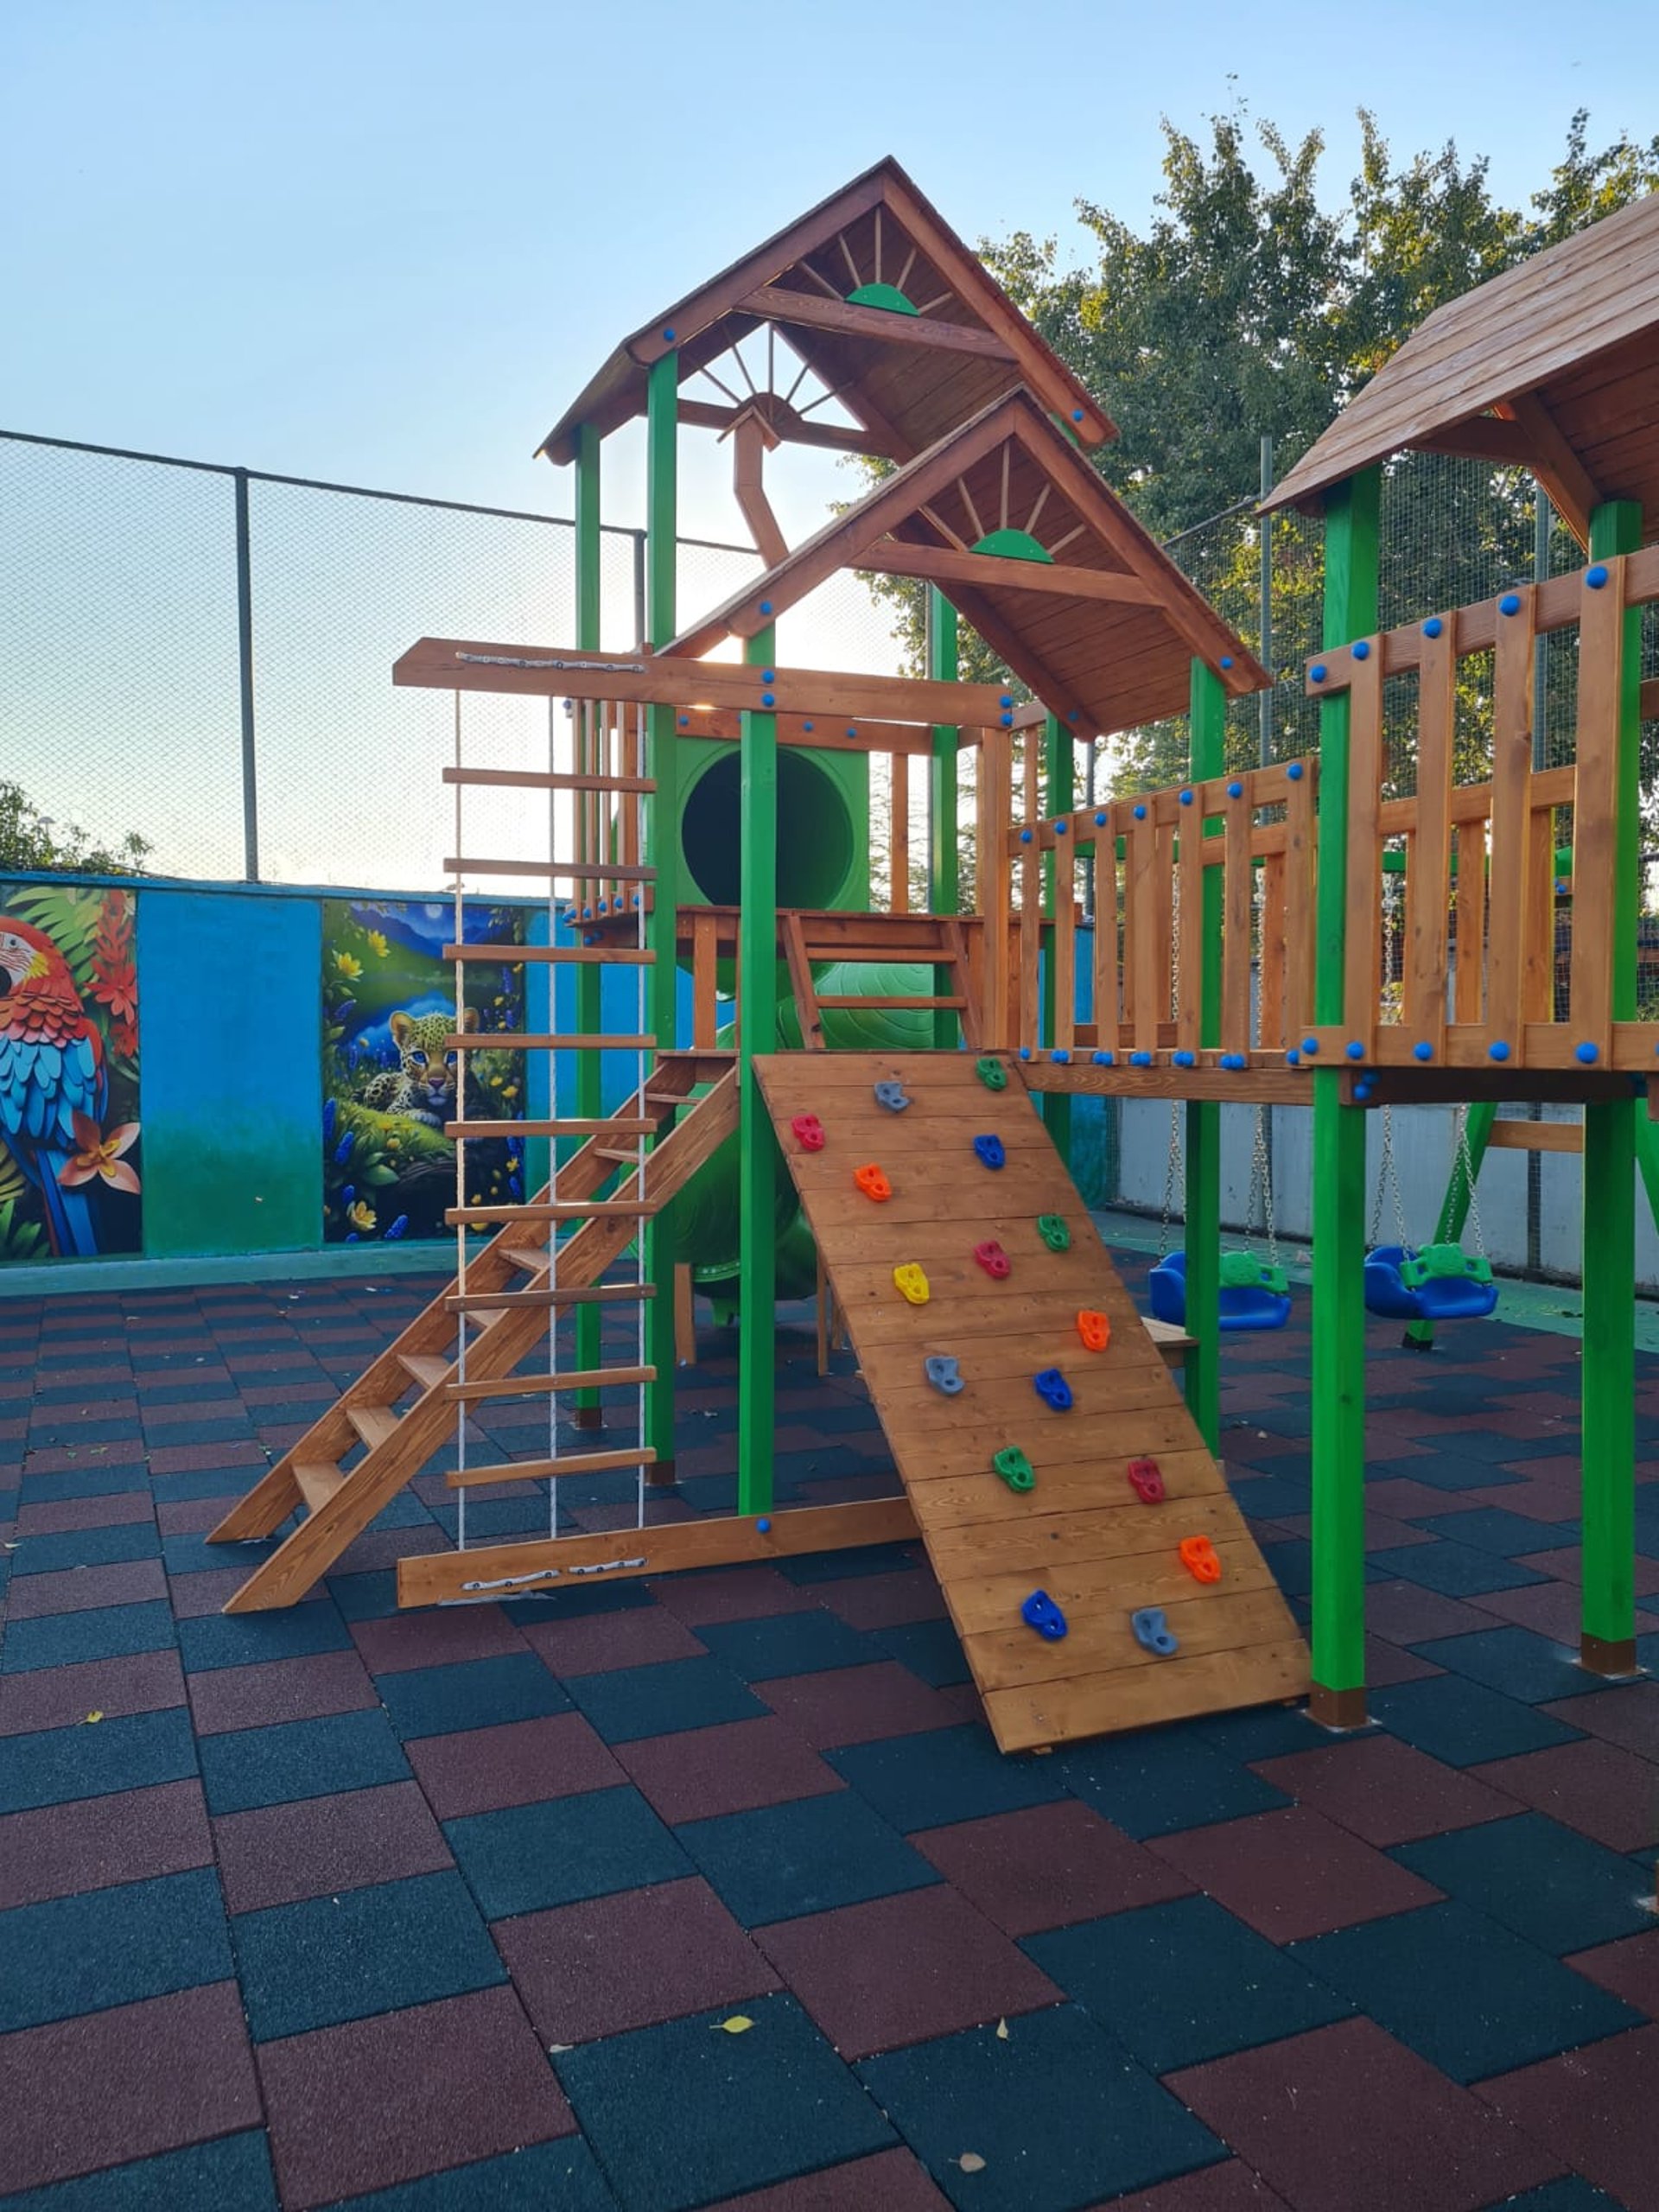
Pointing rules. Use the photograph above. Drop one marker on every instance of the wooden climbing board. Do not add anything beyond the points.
(1081, 1533)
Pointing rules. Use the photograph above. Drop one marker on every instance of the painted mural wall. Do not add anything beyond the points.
(389, 1083)
(71, 1185)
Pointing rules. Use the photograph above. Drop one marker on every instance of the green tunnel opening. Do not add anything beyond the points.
(816, 846)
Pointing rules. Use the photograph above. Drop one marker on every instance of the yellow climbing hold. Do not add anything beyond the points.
(912, 1283)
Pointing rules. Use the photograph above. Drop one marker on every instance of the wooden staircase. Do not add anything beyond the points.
(403, 1407)
(810, 939)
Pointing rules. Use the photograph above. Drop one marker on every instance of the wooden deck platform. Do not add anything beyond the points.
(1080, 1534)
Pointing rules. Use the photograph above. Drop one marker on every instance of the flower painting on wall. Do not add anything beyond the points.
(391, 1078)
(70, 1186)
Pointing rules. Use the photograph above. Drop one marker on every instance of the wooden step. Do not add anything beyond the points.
(566, 1127)
(532, 1258)
(424, 1368)
(318, 1480)
(624, 1156)
(556, 1209)
(374, 1424)
(498, 1301)
(540, 1470)
(525, 1386)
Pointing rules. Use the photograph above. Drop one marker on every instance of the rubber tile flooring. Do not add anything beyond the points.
(712, 1892)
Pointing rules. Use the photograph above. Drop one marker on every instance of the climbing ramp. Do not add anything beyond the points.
(1081, 1533)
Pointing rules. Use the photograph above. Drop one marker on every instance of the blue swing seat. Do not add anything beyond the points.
(1397, 1287)
(1245, 1305)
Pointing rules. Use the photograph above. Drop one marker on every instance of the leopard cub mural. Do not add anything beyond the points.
(390, 1079)
(69, 1180)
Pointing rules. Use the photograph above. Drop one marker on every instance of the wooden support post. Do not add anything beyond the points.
(944, 894)
(663, 853)
(1059, 778)
(1607, 1636)
(1339, 1437)
(585, 1412)
(1201, 941)
(757, 1032)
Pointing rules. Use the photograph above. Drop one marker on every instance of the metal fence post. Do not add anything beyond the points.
(245, 679)
(638, 536)
(1264, 541)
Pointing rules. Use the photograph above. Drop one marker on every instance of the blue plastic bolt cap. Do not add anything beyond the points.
(1595, 577)
(586, 914)
(1317, 673)
(1184, 1059)
(1140, 813)
(1497, 1050)
(1006, 720)
(765, 607)
(1422, 1050)
(1006, 699)
(1100, 820)
(604, 905)
(636, 898)
(766, 676)
(1434, 626)
(768, 699)
(1294, 772)
(1354, 1049)
(1077, 414)
(1060, 1056)
(1363, 1092)
(1586, 1053)
(852, 729)
(1560, 887)
(764, 1525)
(1363, 649)
(1025, 1052)
(668, 336)
(1025, 837)
(1226, 660)
(1059, 827)
(1510, 603)
(1139, 1059)
(1186, 795)
(1105, 1059)
(806, 726)
(685, 722)
(1292, 1058)
(1310, 1045)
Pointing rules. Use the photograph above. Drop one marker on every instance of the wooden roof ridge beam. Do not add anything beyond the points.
(774, 303)
(941, 564)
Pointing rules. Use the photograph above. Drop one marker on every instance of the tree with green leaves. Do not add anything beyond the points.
(32, 843)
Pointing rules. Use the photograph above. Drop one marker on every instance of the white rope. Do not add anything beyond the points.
(573, 667)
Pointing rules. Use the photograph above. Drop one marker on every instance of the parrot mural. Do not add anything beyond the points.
(55, 1088)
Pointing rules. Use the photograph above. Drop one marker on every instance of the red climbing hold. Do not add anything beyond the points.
(809, 1132)
(994, 1261)
(1146, 1480)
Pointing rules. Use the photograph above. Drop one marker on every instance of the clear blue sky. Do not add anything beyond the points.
(387, 242)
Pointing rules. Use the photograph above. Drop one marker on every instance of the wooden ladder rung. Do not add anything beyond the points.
(423, 1367)
(498, 1301)
(528, 1040)
(374, 1424)
(624, 1156)
(575, 1463)
(525, 1386)
(597, 1126)
(546, 780)
(318, 1480)
(555, 1209)
(549, 956)
(532, 1258)
(555, 871)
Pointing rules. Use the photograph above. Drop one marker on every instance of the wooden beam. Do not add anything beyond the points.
(534, 672)
(1257, 1085)
(791, 426)
(943, 565)
(751, 438)
(1483, 437)
(551, 1563)
(1558, 468)
(776, 304)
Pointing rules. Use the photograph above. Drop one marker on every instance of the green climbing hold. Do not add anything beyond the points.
(1051, 1228)
(991, 1074)
(1015, 1468)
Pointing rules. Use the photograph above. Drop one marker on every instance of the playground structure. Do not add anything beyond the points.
(1237, 954)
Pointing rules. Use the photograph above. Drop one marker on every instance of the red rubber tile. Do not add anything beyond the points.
(55, 1516)
(190, 1516)
(1628, 1715)
(891, 2180)
(82, 1589)
(1346, 2119)
(377, 2102)
(858, 1704)
(1047, 1867)
(731, 1594)
(84, 2093)
(885, 1601)
(1601, 1791)
(59, 1697)
(628, 1961)
(279, 1854)
(194, 1459)
(194, 1596)
(520, 1763)
(1229, 2187)
(1594, 2107)
(439, 1636)
(903, 1969)
(598, 1642)
(1630, 1968)
(732, 1767)
(1385, 1792)
(1293, 1874)
(279, 1689)
(97, 1841)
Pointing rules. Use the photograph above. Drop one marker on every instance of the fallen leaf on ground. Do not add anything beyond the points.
(971, 2163)
(740, 2023)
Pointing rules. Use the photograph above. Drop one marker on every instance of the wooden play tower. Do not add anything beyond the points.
(1238, 954)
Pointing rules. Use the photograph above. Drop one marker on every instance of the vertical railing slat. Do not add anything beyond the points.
(1595, 809)
(1512, 686)
(1428, 863)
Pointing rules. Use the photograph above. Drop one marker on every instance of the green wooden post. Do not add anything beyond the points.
(1206, 757)
(1059, 792)
(589, 1019)
(1607, 1635)
(1338, 1438)
(757, 1032)
(943, 888)
(661, 854)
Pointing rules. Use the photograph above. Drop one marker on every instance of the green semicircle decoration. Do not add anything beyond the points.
(882, 296)
(1013, 545)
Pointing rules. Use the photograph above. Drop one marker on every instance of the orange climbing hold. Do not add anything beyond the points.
(1198, 1558)
(1094, 1330)
(873, 1184)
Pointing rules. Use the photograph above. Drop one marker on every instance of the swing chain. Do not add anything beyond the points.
(1388, 1180)
(1261, 1173)
(1465, 1168)
(1171, 1169)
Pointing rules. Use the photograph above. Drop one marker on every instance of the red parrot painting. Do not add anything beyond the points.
(55, 1088)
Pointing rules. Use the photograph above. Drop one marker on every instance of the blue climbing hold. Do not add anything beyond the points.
(1595, 577)
(1153, 1633)
(1510, 603)
(1363, 649)
(1434, 626)
(942, 1371)
(892, 1095)
(1040, 1611)
(1052, 1388)
(989, 1152)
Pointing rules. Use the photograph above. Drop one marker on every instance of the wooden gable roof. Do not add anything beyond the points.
(884, 303)
(1553, 366)
(1037, 551)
